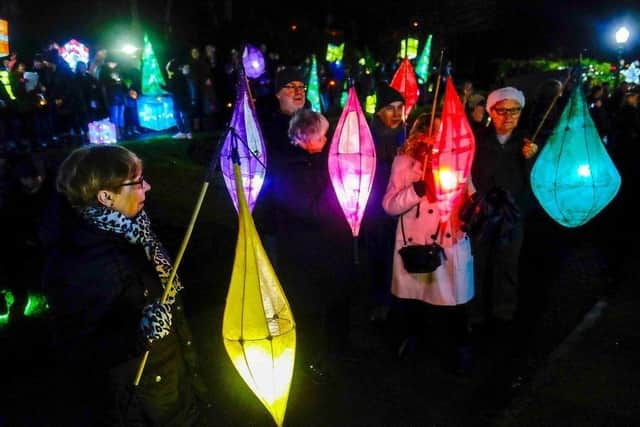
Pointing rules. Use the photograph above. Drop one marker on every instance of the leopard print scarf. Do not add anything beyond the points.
(137, 231)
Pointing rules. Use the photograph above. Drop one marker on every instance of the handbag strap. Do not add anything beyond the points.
(434, 236)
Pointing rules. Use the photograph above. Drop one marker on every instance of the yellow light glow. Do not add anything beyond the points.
(447, 179)
(258, 326)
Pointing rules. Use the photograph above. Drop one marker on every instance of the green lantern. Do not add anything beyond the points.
(573, 177)
(408, 48)
(313, 86)
(422, 69)
(152, 78)
(335, 52)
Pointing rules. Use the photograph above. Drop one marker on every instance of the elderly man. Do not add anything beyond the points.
(502, 163)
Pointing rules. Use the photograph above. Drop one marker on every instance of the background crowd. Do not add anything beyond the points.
(63, 102)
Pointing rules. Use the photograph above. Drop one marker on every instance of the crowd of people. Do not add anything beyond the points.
(104, 269)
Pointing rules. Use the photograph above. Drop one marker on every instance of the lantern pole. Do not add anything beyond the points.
(435, 94)
(428, 158)
(551, 105)
(183, 245)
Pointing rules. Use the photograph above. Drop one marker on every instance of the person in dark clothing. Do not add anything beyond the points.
(291, 96)
(503, 160)
(183, 89)
(313, 245)
(28, 193)
(104, 275)
(378, 228)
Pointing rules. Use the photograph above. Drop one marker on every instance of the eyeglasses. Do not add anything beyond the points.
(295, 87)
(509, 111)
(139, 182)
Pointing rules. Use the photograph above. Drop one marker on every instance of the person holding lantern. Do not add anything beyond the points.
(387, 130)
(436, 298)
(104, 276)
(500, 172)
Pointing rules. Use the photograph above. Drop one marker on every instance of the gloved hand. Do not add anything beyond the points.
(156, 321)
(420, 188)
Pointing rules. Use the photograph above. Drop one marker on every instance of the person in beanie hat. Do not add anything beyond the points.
(290, 90)
(503, 160)
(378, 228)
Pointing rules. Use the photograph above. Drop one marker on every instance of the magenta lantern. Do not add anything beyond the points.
(352, 161)
(253, 61)
(245, 134)
(455, 146)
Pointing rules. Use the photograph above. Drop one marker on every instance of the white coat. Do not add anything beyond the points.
(452, 282)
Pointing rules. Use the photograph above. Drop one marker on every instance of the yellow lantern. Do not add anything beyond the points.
(258, 326)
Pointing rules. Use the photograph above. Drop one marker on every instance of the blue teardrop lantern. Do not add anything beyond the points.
(573, 177)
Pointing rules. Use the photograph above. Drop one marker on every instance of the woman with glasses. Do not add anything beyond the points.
(104, 278)
(502, 161)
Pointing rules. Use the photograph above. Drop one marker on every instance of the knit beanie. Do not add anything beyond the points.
(385, 95)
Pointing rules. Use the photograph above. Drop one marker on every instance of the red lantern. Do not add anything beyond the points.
(453, 152)
(405, 82)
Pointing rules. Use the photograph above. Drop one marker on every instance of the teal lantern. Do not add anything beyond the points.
(422, 69)
(313, 86)
(573, 177)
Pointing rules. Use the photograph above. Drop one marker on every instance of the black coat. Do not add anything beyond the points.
(97, 285)
(503, 165)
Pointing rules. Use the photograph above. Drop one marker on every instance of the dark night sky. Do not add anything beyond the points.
(473, 31)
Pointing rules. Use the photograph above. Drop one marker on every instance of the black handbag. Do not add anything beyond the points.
(421, 258)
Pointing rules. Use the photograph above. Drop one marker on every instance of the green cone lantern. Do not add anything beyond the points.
(574, 178)
(313, 86)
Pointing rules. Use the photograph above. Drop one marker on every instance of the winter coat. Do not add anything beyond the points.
(97, 284)
(451, 283)
(503, 165)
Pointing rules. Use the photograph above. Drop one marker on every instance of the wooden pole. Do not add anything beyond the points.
(174, 270)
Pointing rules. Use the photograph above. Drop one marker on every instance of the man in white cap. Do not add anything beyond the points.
(502, 162)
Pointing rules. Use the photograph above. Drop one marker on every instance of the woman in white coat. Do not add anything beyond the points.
(439, 296)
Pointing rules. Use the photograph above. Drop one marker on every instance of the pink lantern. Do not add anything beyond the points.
(253, 61)
(352, 162)
(453, 153)
(405, 82)
(244, 133)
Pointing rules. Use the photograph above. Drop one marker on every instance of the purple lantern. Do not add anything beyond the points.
(244, 134)
(253, 61)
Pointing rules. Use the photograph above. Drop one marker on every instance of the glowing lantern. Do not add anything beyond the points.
(405, 82)
(258, 326)
(408, 48)
(453, 153)
(335, 52)
(253, 61)
(36, 305)
(4, 38)
(73, 52)
(152, 78)
(244, 134)
(156, 112)
(422, 69)
(370, 104)
(102, 132)
(313, 86)
(4, 80)
(155, 107)
(352, 162)
(573, 177)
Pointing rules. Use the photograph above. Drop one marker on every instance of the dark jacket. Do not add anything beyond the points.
(97, 285)
(503, 165)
